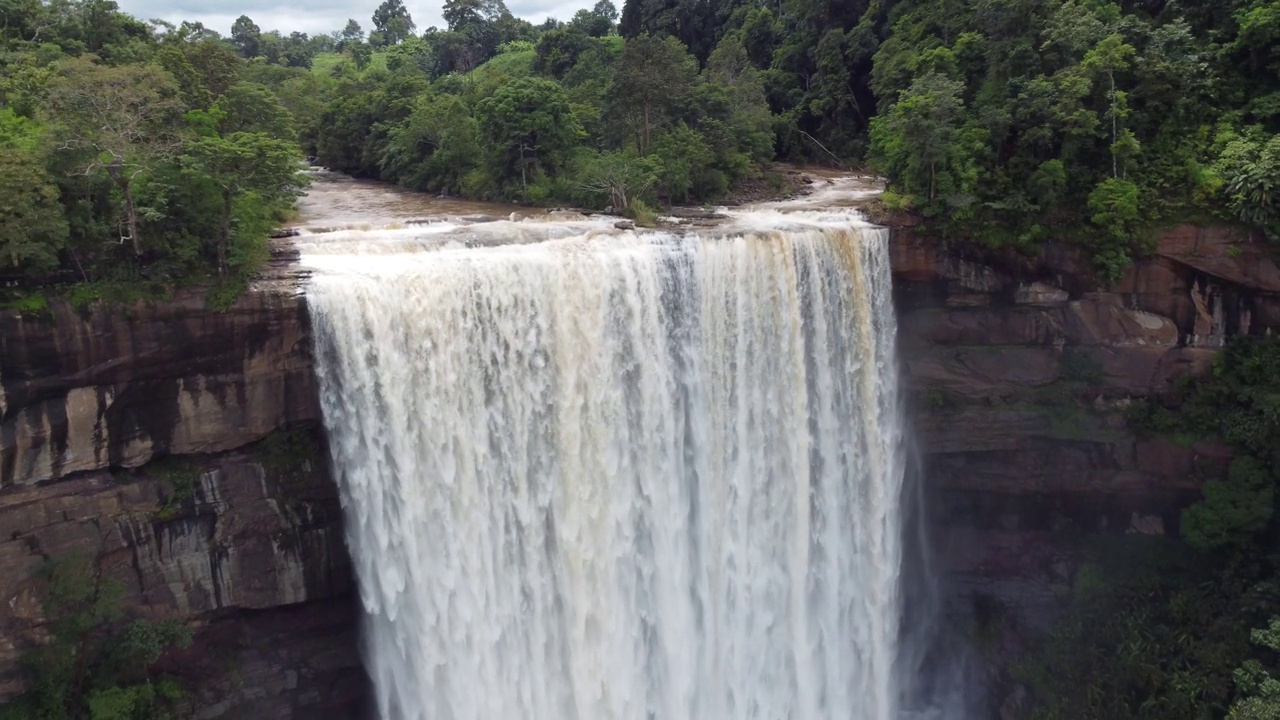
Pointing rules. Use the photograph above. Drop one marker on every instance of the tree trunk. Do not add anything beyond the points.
(1115, 173)
(646, 137)
(130, 209)
(224, 237)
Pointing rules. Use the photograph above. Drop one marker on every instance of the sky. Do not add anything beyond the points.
(322, 16)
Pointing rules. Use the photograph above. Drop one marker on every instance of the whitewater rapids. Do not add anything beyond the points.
(600, 475)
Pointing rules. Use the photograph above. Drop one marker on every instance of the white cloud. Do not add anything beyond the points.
(322, 16)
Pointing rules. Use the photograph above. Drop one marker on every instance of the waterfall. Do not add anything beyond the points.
(600, 475)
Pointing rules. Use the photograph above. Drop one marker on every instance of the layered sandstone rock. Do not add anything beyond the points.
(115, 386)
(180, 449)
(1021, 372)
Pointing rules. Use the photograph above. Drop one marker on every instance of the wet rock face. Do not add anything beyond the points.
(1021, 371)
(114, 387)
(180, 449)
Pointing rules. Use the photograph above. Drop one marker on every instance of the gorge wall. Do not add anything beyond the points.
(180, 448)
(1020, 374)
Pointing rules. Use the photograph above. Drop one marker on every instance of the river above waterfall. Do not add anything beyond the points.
(590, 472)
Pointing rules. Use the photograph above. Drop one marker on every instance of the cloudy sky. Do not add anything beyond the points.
(322, 16)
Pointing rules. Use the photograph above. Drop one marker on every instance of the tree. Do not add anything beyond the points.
(392, 23)
(684, 160)
(751, 122)
(1112, 55)
(361, 54)
(245, 164)
(698, 24)
(1234, 510)
(653, 75)
(32, 226)
(246, 36)
(250, 107)
(917, 136)
(434, 148)
(1250, 169)
(598, 21)
(557, 50)
(531, 129)
(620, 179)
(485, 24)
(413, 53)
(1259, 687)
(117, 120)
(351, 33)
(98, 664)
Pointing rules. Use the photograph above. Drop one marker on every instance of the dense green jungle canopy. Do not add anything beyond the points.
(140, 151)
(141, 155)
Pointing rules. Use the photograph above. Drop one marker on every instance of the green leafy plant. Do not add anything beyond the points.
(98, 662)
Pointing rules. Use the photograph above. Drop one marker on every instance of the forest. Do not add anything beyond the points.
(142, 152)
(138, 155)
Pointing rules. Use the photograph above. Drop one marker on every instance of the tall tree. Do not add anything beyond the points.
(653, 75)
(916, 138)
(699, 24)
(530, 127)
(598, 21)
(32, 226)
(116, 120)
(246, 36)
(392, 22)
(351, 33)
(484, 23)
(240, 164)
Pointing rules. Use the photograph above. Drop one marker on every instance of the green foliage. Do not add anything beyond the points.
(612, 179)
(256, 175)
(392, 23)
(653, 76)
(1259, 688)
(1159, 626)
(434, 148)
(288, 452)
(1087, 121)
(532, 130)
(97, 123)
(918, 137)
(183, 478)
(1239, 403)
(1116, 213)
(97, 663)
(33, 228)
(1250, 168)
(1153, 632)
(1234, 510)
(642, 214)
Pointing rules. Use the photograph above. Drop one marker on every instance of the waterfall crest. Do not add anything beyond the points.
(621, 476)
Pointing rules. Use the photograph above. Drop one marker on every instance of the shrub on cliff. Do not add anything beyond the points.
(97, 664)
(1235, 509)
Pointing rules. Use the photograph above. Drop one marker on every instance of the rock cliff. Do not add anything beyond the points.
(1020, 372)
(180, 449)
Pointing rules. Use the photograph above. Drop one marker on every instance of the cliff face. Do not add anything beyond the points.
(1020, 373)
(179, 449)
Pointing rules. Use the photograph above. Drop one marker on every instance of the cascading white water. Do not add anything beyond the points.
(619, 476)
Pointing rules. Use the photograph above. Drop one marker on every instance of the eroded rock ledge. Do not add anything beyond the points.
(148, 436)
(1021, 371)
(180, 448)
